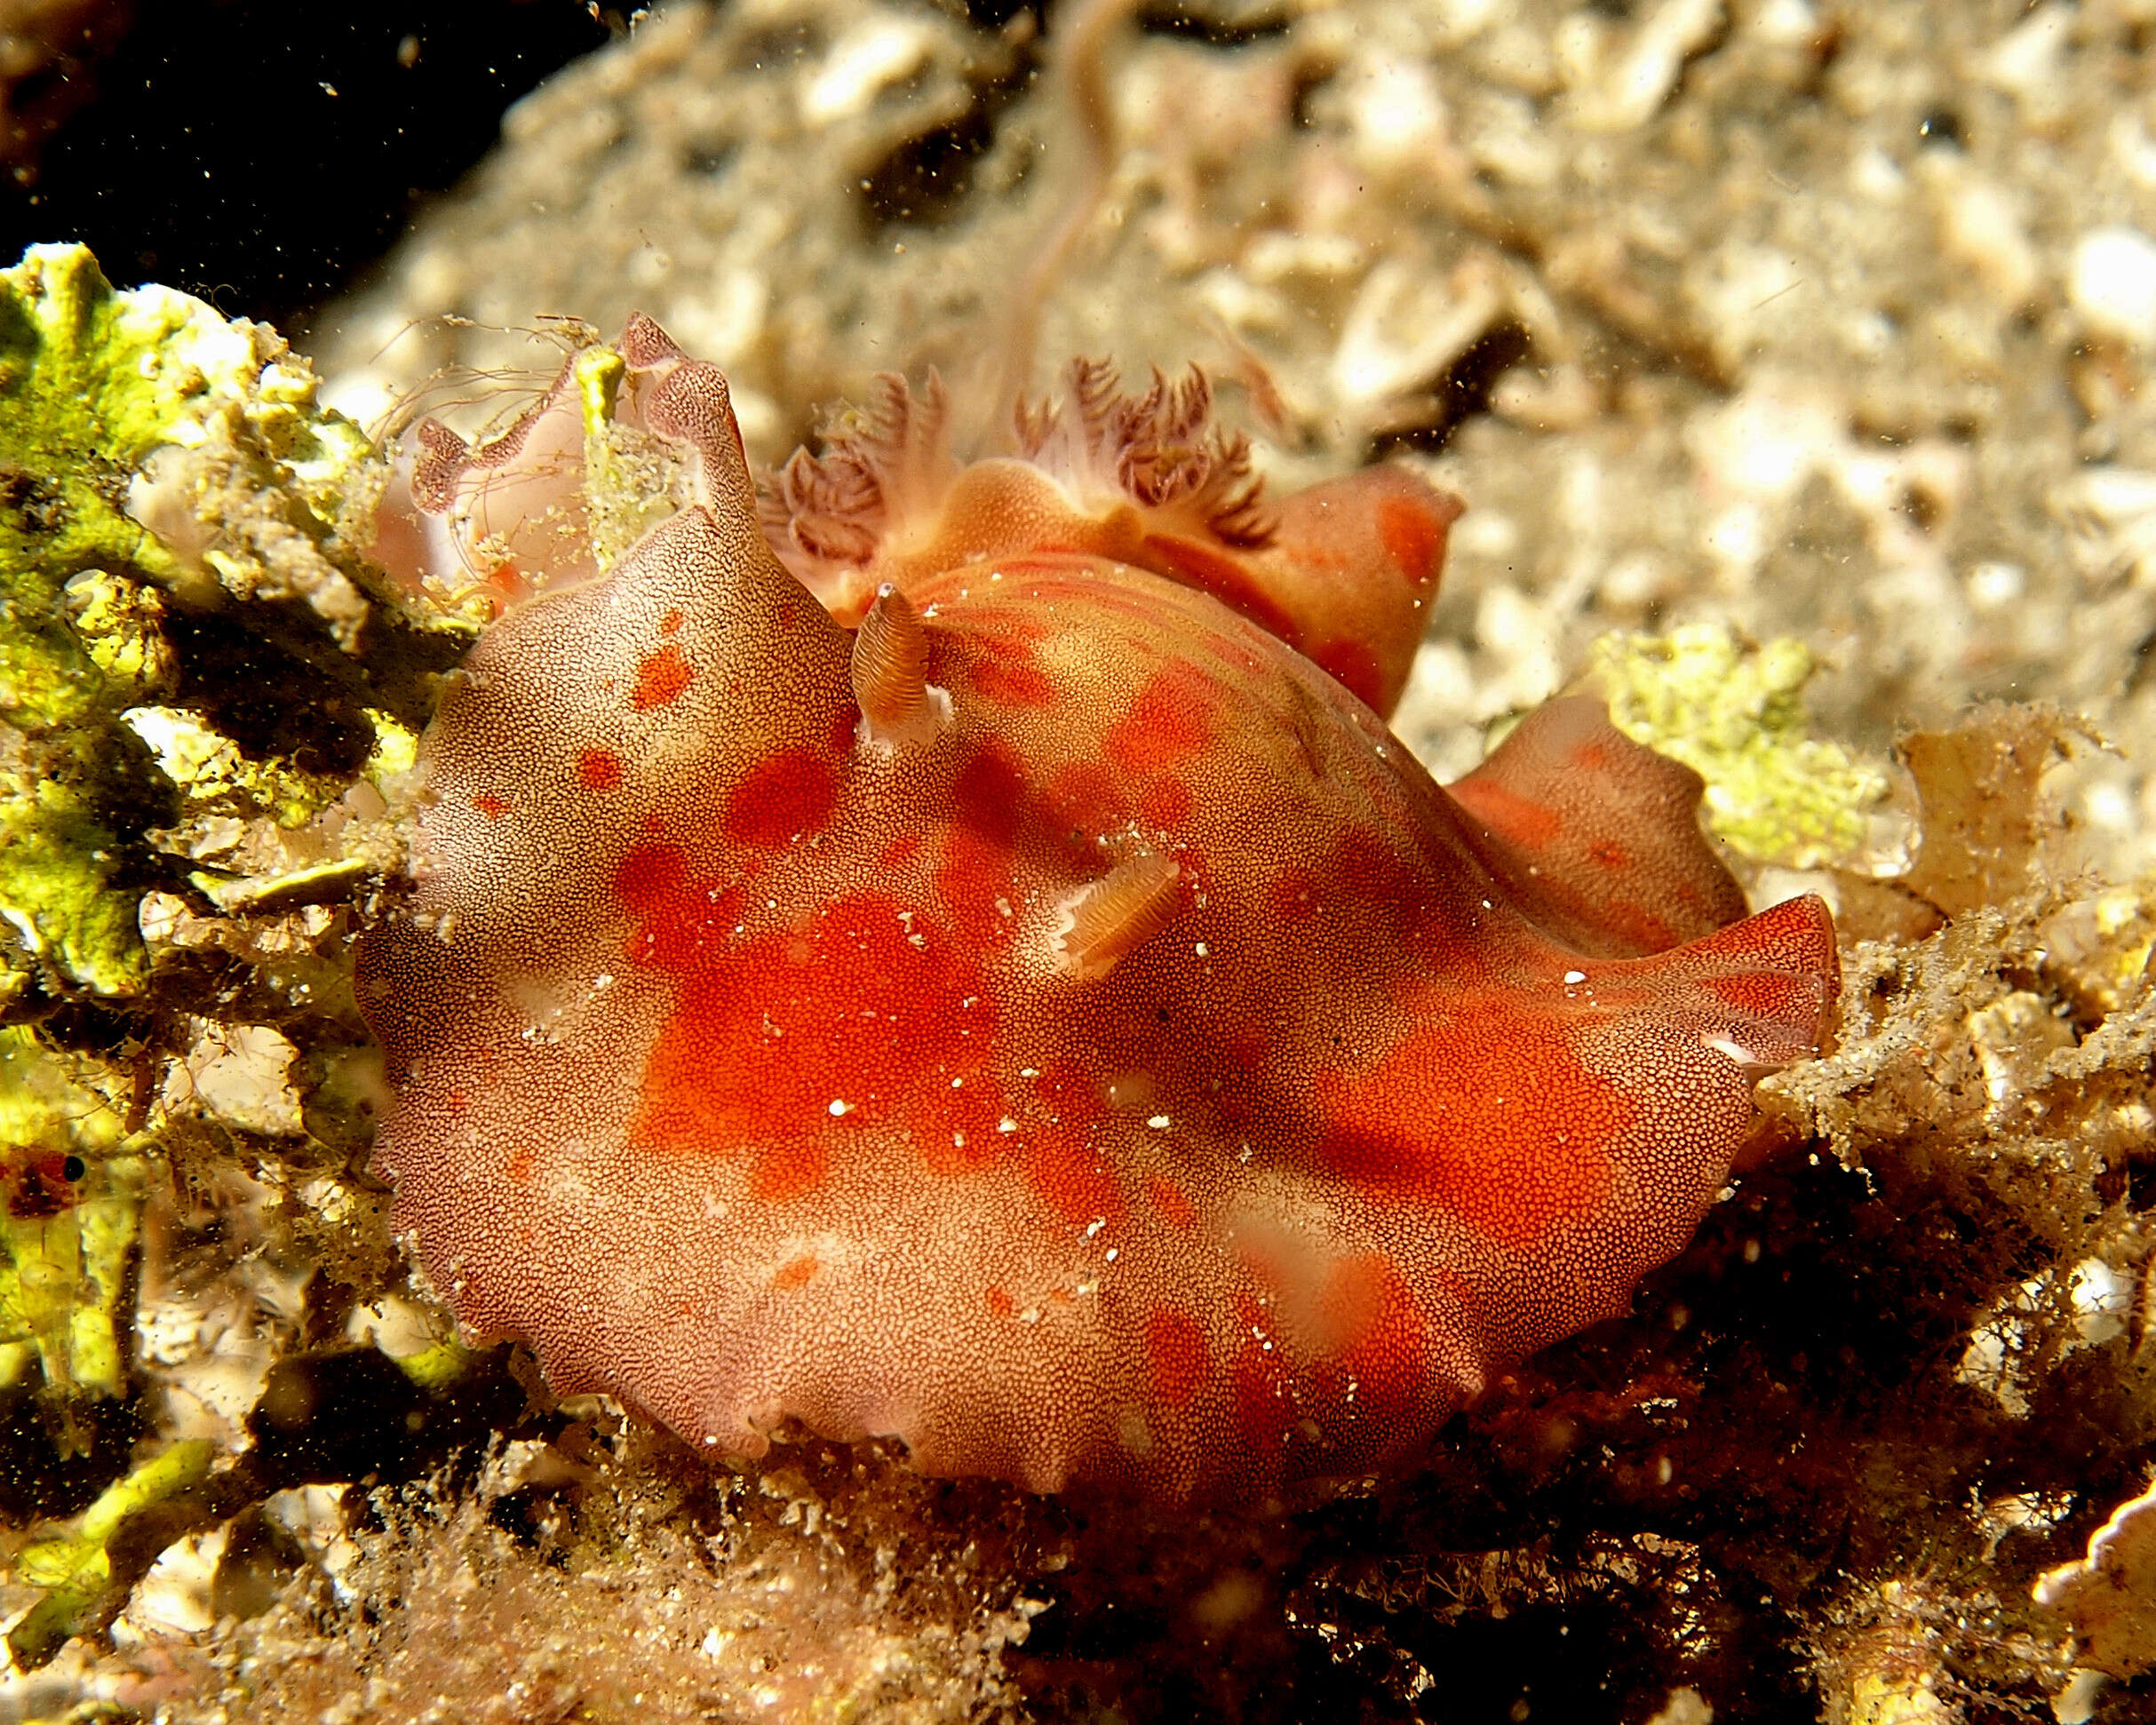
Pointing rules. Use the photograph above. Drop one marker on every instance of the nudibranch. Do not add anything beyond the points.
(1050, 1022)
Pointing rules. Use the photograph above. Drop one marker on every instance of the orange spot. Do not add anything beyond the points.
(793, 1169)
(1047, 560)
(1293, 896)
(1167, 1200)
(1084, 798)
(1264, 1397)
(901, 852)
(1518, 818)
(1364, 873)
(1226, 578)
(976, 882)
(974, 877)
(987, 792)
(796, 1272)
(1782, 1000)
(1354, 667)
(1070, 1096)
(1175, 1351)
(1072, 1181)
(649, 875)
(489, 804)
(670, 622)
(1007, 673)
(1379, 1335)
(1413, 538)
(597, 769)
(964, 1143)
(784, 1047)
(660, 678)
(1245, 1058)
(519, 1165)
(1487, 1114)
(1166, 803)
(1170, 720)
(682, 920)
(999, 1302)
(1002, 624)
(790, 794)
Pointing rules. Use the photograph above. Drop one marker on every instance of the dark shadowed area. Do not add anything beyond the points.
(262, 155)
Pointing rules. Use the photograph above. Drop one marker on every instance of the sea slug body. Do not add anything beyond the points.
(944, 952)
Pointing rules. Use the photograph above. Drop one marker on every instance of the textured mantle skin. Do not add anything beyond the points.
(1136, 1070)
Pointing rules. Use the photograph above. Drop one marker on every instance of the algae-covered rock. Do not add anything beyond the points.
(91, 383)
(201, 679)
(76, 1568)
(1734, 714)
(170, 510)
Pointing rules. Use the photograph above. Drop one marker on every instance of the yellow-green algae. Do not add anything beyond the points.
(630, 478)
(194, 659)
(76, 1568)
(1734, 714)
(161, 466)
(92, 383)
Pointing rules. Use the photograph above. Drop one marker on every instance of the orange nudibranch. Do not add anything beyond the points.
(1059, 1028)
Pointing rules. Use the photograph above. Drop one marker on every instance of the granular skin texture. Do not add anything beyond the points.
(1110, 1058)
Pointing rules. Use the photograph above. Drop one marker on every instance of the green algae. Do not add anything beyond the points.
(174, 509)
(76, 1569)
(91, 382)
(196, 661)
(60, 893)
(1734, 714)
(631, 479)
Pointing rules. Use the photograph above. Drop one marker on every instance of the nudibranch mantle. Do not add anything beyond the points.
(1053, 1023)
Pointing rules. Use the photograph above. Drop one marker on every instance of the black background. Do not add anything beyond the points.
(215, 158)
